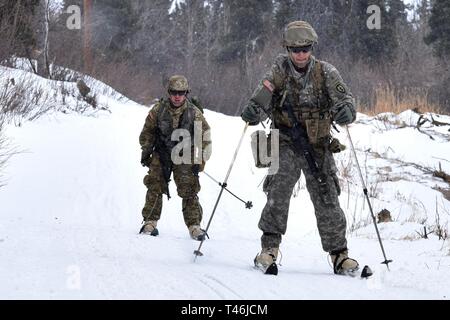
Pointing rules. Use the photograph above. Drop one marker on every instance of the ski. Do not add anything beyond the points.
(366, 272)
(273, 270)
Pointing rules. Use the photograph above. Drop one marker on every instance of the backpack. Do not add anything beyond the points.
(196, 102)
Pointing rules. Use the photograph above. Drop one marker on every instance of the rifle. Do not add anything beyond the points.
(166, 162)
(302, 145)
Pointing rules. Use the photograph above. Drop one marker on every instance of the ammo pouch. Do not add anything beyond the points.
(317, 128)
(259, 148)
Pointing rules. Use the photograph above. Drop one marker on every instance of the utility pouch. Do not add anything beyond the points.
(260, 148)
(263, 96)
(317, 128)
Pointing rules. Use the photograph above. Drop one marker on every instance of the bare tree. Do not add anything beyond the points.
(40, 49)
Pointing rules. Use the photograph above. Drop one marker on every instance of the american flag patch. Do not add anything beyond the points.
(268, 85)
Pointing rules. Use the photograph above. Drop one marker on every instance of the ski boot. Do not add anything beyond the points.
(266, 261)
(149, 227)
(197, 233)
(342, 264)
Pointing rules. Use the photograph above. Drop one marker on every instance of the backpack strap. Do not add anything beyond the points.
(187, 119)
(320, 86)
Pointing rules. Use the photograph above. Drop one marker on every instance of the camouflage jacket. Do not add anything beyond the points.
(163, 115)
(318, 91)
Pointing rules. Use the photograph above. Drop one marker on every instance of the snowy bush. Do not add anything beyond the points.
(5, 152)
(18, 100)
(26, 96)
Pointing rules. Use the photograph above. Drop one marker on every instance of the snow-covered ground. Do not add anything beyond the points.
(71, 210)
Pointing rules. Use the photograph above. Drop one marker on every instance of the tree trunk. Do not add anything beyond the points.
(190, 13)
(87, 53)
(41, 49)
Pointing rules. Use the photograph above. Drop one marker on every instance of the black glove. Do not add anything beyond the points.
(196, 168)
(345, 115)
(251, 114)
(146, 157)
(336, 146)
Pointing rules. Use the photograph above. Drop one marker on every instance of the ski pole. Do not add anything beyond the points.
(223, 186)
(386, 261)
(248, 204)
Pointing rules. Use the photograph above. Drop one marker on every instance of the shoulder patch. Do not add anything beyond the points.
(151, 115)
(340, 88)
(268, 85)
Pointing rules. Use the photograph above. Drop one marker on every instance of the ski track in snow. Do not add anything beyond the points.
(72, 207)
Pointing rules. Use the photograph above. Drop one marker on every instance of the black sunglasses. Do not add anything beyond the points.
(300, 49)
(177, 93)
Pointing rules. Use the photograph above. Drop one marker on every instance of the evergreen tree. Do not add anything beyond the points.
(189, 37)
(439, 39)
(328, 18)
(151, 42)
(373, 46)
(424, 12)
(439, 22)
(246, 26)
(283, 13)
(113, 25)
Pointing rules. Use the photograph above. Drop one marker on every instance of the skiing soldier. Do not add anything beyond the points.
(176, 112)
(302, 96)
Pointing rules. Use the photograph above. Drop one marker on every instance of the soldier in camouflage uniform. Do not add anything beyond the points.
(176, 112)
(301, 88)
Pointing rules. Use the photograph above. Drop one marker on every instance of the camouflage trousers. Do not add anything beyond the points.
(331, 220)
(188, 186)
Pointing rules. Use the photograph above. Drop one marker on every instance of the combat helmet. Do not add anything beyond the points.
(178, 83)
(299, 34)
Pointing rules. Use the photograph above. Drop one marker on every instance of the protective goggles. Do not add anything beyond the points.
(300, 49)
(177, 93)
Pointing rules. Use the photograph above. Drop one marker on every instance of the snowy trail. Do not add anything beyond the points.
(70, 214)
